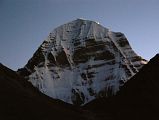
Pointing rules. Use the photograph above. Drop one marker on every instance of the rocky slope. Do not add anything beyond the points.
(80, 61)
(19, 100)
(137, 99)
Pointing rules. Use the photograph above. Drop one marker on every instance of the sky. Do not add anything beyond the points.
(24, 24)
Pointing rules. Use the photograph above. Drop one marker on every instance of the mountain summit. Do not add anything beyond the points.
(80, 61)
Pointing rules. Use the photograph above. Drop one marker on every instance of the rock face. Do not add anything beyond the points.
(81, 61)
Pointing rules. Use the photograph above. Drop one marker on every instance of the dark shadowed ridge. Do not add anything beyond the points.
(19, 100)
(138, 99)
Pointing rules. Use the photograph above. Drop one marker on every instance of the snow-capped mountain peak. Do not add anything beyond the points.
(80, 61)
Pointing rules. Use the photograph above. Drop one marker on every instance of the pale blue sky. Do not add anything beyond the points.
(24, 24)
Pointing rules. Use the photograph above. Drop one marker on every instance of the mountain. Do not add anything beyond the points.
(138, 99)
(19, 100)
(81, 61)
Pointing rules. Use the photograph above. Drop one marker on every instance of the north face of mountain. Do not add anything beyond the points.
(19, 100)
(81, 61)
(137, 99)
